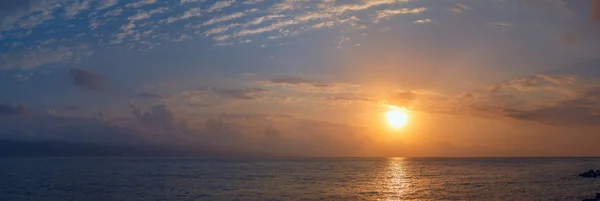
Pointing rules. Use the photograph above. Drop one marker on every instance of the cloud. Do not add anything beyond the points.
(106, 4)
(220, 5)
(140, 3)
(241, 94)
(26, 13)
(21, 78)
(150, 95)
(41, 56)
(76, 7)
(7, 109)
(581, 110)
(423, 21)
(146, 15)
(536, 82)
(189, 1)
(159, 119)
(384, 14)
(296, 81)
(365, 5)
(224, 18)
(192, 12)
(87, 79)
(306, 84)
(115, 12)
(252, 1)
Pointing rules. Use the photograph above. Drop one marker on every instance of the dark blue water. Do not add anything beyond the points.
(296, 179)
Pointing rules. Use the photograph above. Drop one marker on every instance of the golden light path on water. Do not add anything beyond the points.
(396, 182)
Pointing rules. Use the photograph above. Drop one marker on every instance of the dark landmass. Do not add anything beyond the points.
(14, 148)
(590, 174)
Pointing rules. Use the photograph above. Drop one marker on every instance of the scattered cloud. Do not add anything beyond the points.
(42, 56)
(220, 5)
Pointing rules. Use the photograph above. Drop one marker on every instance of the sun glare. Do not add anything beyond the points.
(397, 117)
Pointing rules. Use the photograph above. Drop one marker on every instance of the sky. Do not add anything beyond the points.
(305, 77)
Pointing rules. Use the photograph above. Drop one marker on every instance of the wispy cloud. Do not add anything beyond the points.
(220, 5)
(389, 13)
(423, 21)
(115, 12)
(106, 4)
(141, 3)
(224, 18)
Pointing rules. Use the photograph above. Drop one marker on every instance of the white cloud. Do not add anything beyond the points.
(141, 3)
(402, 11)
(76, 7)
(223, 18)
(423, 21)
(146, 15)
(323, 25)
(271, 27)
(259, 20)
(223, 37)
(220, 5)
(220, 29)
(115, 12)
(104, 4)
(364, 5)
(193, 12)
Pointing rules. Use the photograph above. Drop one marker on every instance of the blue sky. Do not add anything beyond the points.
(304, 76)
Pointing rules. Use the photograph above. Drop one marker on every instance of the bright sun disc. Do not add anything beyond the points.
(397, 118)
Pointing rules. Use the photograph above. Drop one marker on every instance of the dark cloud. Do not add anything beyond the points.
(87, 79)
(582, 110)
(150, 95)
(7, 109)
(241, 94)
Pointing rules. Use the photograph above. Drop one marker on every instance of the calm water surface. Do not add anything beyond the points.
(296, 179)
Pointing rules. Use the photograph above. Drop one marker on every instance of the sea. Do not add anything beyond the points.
(106, 179)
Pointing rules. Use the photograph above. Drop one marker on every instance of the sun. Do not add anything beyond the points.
(397, 117)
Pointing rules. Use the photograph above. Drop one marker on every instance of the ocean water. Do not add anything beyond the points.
(297, 179)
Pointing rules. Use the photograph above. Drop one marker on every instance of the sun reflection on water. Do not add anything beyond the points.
(396, 180)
